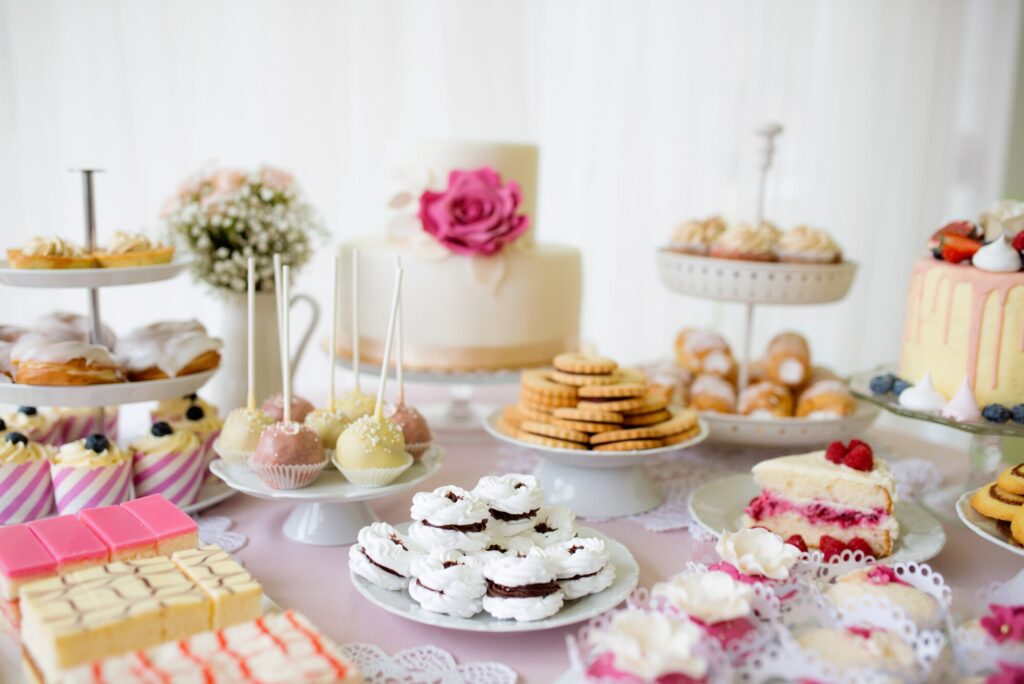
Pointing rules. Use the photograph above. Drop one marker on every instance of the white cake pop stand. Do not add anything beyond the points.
(332, 510)
(597, 484)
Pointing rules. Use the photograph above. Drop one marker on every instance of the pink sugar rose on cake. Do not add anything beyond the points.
(475, 214)
(1004, 623)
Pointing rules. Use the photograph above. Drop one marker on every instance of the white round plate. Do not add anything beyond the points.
(627, 575)
(89, 277)
(718, 505)
(593, 459)
(211, 493)
(730, 428)
(331, 486)
(986, 528)
(754, 282)
(111, 394)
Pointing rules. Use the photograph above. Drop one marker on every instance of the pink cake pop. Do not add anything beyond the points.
(418, 436)
(273, 406)
(288, 456)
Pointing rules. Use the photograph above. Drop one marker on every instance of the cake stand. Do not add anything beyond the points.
(459, 413)
(332, 510)
(985, 453)
(597, 484)
(803, 433)
(994, 533)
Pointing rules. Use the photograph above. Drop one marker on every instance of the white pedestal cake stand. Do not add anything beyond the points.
(332, 510)
(596, 484)
(459, 413)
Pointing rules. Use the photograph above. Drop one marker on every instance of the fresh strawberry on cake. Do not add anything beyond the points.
(835, 500)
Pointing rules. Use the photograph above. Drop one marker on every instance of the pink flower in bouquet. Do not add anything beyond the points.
(1004, 623)
(475, 214)
(226, 181)
(276, 179)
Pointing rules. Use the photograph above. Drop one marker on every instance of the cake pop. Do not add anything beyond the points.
(273, 406)
(356, 403)
(328, 423)
(414, 426)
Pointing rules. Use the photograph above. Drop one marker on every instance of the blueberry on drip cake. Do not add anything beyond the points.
(288, 456)
(838, 499)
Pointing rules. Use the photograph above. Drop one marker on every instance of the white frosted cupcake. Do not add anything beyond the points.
(383, 556)
(513, 500)
(523, 588)
(36, 425)
(582, 566)
(448, 582)
(450, 518)
(552, 525)
(89, 473)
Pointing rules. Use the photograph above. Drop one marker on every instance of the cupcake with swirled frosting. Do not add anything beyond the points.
(133, 249)
(91, 472)
(746, 243)
(806, 245)
(168, 462)
(695, 237)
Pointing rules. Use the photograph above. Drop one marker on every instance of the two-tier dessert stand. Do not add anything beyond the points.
(92, 280)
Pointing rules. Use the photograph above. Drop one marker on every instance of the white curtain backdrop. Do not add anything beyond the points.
(897, 117)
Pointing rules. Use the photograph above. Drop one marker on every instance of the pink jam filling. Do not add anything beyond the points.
(726, 631)
(604, 669)
(732, 571)
(883, 574)
(862, 632)
(768, 504)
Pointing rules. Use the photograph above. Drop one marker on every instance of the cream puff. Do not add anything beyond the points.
(826, 399)
(766, 400)
(705, 352)
(448, 582)
(788, 360)
(712, 393)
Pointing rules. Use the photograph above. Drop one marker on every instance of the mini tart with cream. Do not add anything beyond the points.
(50, 252)
(133, 249)
(64, 363)
(371, 452)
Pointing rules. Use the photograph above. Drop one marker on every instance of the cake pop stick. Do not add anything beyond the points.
(277, 292)
(250, 345)
(378, 410)
(401, 347)
(334, 330)
(355, 317)
(286, 346)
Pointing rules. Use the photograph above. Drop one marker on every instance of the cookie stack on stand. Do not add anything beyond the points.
(588, 402)
(1003, 501)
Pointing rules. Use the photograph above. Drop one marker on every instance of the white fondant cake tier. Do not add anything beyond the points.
(517, 309)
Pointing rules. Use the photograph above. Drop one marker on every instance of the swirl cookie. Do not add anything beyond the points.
(993, 502)
(449, 518)
(582, 566)
(522, 588)
(513, 500)
(1012, 479)
(1017, 526)
(584, 364)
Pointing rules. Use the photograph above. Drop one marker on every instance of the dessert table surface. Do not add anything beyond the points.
(315, 580)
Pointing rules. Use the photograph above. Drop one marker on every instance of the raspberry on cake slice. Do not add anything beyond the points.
(843, 494)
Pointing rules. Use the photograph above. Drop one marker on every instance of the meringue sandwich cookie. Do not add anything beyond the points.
(882, 582)
(500, 547)
(582, 566)
(450, 518)
(552, 526)
(513, 501)
(810, 496)
(41, 362)
(524, 589)
(448, 582)
(383, 556)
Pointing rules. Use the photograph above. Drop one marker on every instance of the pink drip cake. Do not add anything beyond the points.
(814, 497)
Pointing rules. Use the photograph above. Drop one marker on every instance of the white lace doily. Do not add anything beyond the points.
(423, 665)
(679, 474)
(215, 529)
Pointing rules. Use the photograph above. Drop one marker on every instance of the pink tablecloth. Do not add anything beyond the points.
(315, 580)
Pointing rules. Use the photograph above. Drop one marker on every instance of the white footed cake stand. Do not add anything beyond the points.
(332, 510)
(597, 484)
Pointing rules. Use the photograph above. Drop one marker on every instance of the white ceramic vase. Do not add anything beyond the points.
(227, 388)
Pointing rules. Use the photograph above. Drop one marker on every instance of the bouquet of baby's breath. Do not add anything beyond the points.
(227, 215)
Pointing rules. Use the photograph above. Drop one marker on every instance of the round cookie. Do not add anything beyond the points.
(589, 415)
(1017, 526)
(632, 376)
(652, 403)
(581, 426)
(619, 391)
(542, 403)
(614, 405)
(645, 419)
(539, 383)
(624, 435)
(532, 413)
(681, 437)
(548, 441)
(1012, 479)
(681, 422)
(993, 502)
(580, 380)
(630, 445)
(554, 432)
(585, 364)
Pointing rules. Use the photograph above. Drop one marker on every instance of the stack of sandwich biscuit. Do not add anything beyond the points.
(1003, 501)
(588, 402)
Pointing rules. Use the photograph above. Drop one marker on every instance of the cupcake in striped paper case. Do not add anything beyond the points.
(173, 410)
(35, 424)
(90, 472)
(26, 492)
(203, 420)
(79, 423)
(168, 462)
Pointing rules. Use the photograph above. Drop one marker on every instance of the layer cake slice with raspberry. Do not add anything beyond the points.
(835, 499)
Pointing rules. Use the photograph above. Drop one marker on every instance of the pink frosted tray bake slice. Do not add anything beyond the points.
(125, 536)
(70, 542)
(174, 530)
(23, 559)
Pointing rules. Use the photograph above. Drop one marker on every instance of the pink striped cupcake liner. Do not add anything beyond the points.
(52, 434)
(26, 492)
(76, 488)
(76, 427)
(209, 455)
(177, 475)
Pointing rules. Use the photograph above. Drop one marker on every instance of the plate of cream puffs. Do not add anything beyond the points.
(491, 559)
(788, 401)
